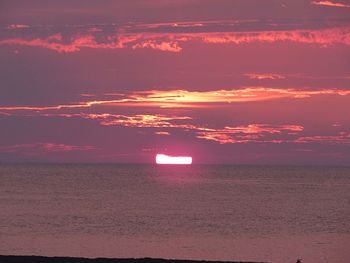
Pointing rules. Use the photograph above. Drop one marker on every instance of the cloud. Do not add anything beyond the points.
(336, 124)
(323, 37)
(275, 76)
(330, 3)
(264, 76)
(43, 148)
(138, 120)
(200, 99)
(169, 37)
(76, 43)
(163, 46)
(17, 26)
(162, 133)
(342, 138)
(229, 134)
(248, 134)
(257, 133)
(251, 133)
(56, 43)
(185, 98)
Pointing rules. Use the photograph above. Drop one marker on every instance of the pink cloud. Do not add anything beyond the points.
(330, 3)
(250, 133)
(186, 98)
(336, 124)
(163, 46)
(138, 120)
(263, 128)
(17, 26)
(162, 133)
(87, 95)
(324, 37)
(43, 148)
(247, 134)
(342, 138)
(256, 133)
(264, 76)
(55, 42)
(171, 42)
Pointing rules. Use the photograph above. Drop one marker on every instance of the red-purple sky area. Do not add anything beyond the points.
(241, 81)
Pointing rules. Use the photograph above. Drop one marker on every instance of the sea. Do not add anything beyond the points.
(207, 212)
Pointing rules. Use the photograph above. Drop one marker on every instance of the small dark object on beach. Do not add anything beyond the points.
(299, 261)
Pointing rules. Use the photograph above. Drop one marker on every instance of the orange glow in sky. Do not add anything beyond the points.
(165, 159)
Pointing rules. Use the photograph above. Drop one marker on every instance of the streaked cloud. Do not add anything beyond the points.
(56, 43)
(248, 134)
(323, 37)
(173, 98)
(17, 26)
(170, 46)
(34, 148)
(162, 133)
(240, 134)
(264, 76)
(169, 37)
(186, 98)
(330, 3)
(342, 138)
(336, 124)
(251, 133)
(137, 120)
(265, 133)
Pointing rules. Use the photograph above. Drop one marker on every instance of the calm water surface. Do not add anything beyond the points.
(275, 214)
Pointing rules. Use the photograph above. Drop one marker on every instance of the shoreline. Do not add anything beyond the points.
(44, 259)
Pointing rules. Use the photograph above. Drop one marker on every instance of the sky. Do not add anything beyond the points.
(236, 82)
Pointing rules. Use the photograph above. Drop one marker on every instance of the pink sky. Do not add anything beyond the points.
(258, 82)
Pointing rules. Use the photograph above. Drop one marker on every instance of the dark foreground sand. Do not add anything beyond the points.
(37, 259)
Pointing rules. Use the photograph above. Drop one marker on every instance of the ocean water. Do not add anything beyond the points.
(212, 212)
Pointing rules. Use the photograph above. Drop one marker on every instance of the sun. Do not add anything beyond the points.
(166, 159)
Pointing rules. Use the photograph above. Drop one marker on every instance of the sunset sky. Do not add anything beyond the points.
(241, 81)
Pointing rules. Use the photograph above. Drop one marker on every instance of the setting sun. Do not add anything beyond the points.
(166, 159)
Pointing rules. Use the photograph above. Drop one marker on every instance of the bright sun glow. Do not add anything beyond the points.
(165, 159)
